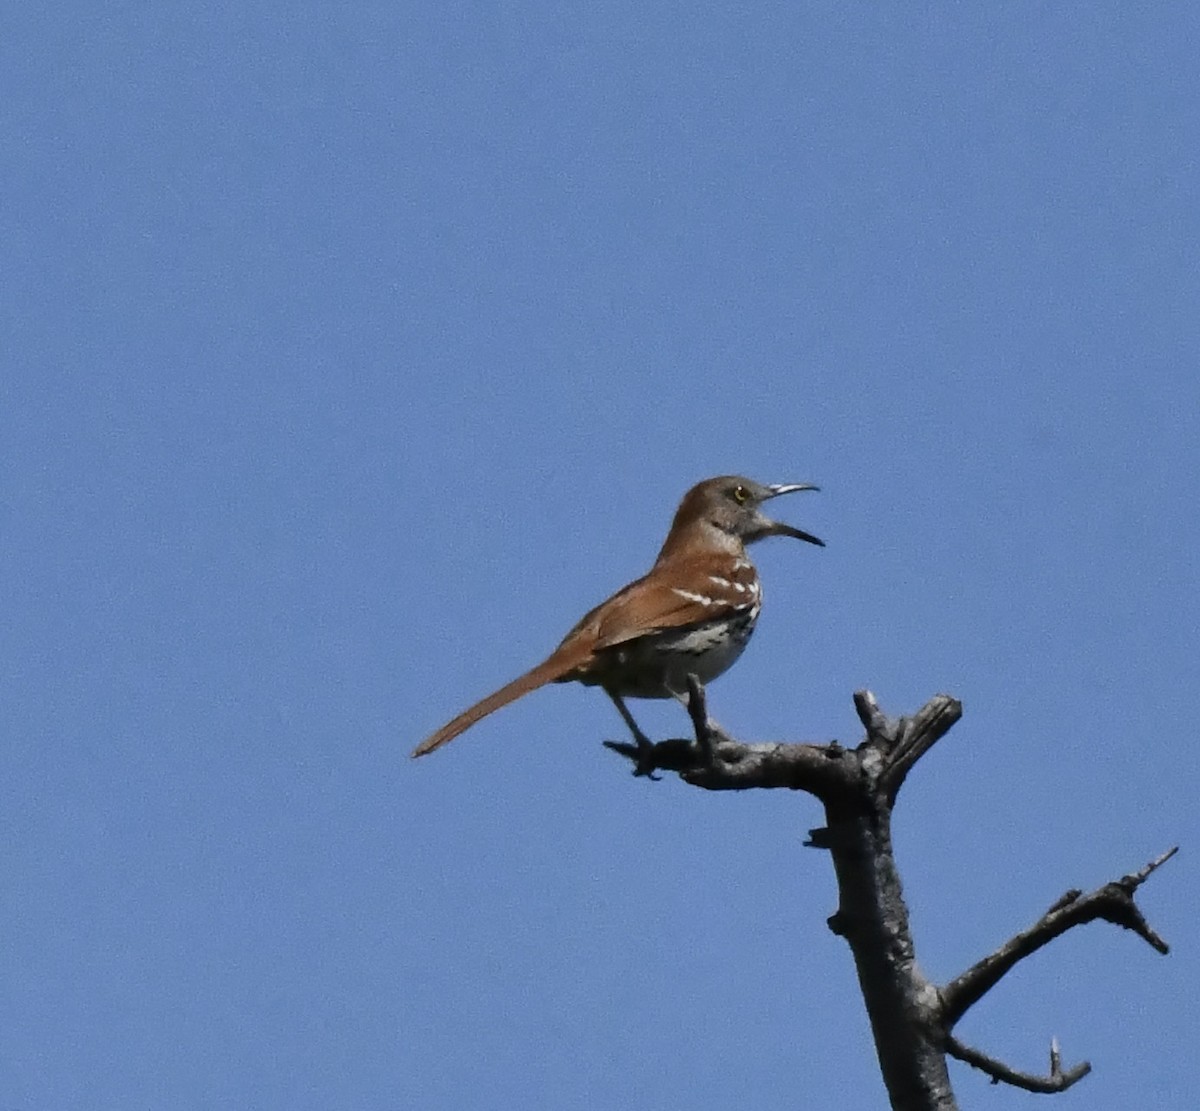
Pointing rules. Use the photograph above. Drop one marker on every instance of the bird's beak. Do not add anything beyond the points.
(778, 528)
(791, 488)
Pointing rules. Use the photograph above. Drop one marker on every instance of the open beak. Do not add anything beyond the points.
(778, 528)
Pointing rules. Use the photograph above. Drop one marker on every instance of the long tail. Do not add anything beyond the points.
(555, 667)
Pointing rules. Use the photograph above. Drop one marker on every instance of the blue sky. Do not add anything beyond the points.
(349, 355)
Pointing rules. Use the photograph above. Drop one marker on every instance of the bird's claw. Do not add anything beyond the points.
(641, 752)
(644, 759)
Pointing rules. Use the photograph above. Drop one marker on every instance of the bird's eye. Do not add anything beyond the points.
(741, 495)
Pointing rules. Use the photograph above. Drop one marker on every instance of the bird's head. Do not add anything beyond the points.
(733, 505)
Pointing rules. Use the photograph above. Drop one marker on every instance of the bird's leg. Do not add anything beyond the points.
(643, 742)
(707, 728)
(645, 746)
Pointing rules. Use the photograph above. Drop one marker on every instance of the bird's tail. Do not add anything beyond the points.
(555, 667)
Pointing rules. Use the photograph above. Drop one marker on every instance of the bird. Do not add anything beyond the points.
(691, 614)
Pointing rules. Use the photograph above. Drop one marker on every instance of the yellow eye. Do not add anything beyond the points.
(741, 495)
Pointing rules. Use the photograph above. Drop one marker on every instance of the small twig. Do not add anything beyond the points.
(915, 736)
(1065, 900)
(1111, 903)
(879, 729)
(1125, 912)
(819, 838)
(1056, 1081)
(1135, 880)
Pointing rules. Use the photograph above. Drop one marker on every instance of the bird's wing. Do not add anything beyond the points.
(699, 590)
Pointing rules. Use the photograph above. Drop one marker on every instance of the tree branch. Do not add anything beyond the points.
(717, 762)
(818, 769)
(915, 736)
(875, 722)
(1056, 1081)
(901, 742)
(1111, 903)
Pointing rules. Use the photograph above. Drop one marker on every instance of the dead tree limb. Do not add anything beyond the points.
(1055, 1081)
(1111, 903)
(912, 1019)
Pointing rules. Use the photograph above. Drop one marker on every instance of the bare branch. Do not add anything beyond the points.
(916, 736)
(1056, 1081)
(822, 770)
(1111, 903)
(875, 722)
(1135, 879)
(717, 762)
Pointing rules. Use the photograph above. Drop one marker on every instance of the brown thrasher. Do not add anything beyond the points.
(692, 614)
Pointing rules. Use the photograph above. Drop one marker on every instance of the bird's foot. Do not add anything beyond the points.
(643, 758)
(644, 763)
(641, 752)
